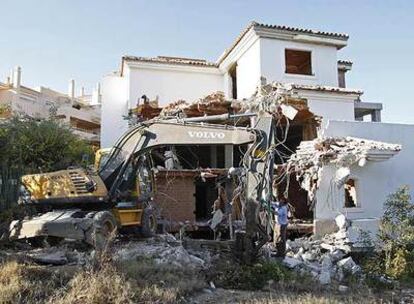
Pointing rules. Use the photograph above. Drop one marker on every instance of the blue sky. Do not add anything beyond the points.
(55, 40)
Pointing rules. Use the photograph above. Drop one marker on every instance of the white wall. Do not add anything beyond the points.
(114, 107)
(376, 180)
(248, 71)
(330, 106)
(172, 83)
(324, 62)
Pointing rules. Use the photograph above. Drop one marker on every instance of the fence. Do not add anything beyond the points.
(9, 186)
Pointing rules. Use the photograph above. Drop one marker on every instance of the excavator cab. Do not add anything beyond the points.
(134, 197)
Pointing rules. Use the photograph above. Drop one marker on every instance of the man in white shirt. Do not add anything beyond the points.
(280, 228)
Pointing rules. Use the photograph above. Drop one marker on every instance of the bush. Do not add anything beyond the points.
(31, 146)
(155, 283)
(38, 146)
(397, 234)
(396, 259)
(253, 277)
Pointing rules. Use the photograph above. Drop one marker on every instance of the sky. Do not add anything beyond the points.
(56, 40)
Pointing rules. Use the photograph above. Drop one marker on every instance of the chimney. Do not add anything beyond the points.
(98, 88)
(96, 95)
(71, 88)
(82, 91)
(17, 77)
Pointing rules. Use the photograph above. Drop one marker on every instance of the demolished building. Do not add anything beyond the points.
(294, 75)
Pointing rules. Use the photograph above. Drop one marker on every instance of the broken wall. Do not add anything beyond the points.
(171, 83)
(374, 181)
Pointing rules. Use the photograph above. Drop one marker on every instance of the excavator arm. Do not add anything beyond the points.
(139, 140)
(153, 134)
(257, 162)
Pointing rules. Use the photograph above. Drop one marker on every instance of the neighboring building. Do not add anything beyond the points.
(306, 59)
(82, 113)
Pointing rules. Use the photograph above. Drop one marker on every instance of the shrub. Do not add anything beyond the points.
(103, 286)
(28, 284)
(43, 145)
(397, 236)
(160, 283)
(251, 277)
(31, 146)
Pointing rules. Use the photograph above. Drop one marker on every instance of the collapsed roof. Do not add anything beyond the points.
(311, 156)
(275, 98)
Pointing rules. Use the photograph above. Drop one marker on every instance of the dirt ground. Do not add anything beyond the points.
(269, 297)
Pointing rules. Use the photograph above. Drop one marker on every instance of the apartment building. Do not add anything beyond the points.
(81, 112)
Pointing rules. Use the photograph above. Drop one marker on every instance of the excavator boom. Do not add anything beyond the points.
(135, 143)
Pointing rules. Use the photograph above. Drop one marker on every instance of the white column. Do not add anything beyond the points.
(17, 77)
(228, 156)
(71, 88)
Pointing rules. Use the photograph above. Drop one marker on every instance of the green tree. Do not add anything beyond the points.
(40, 145)
(30, 146)
(397, 234)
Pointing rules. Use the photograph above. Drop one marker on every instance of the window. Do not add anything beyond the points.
(298, 62)
(350, 194)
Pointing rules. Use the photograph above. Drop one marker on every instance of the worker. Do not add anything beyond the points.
(280, 229)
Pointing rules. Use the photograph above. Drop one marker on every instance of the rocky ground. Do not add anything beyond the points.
(313, 272)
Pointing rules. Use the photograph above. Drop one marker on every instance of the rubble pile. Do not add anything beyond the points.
(267, 98)
(310, 156)
(325, 261)
(214, 103)
(274, 98)
(174, 108)
(164, 249)
(65, 254)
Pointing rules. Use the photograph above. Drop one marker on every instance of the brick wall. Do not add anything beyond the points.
(175, 197)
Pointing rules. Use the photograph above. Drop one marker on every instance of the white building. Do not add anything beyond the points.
(306, 58)
(82, 112)
(309, 60)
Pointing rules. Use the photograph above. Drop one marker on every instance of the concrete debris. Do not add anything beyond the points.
(343, 288)
(347, 264)
(168, 253)
(61, 255)
(341, 222)
(211, 104)
(55, 258)
(276, 98)
(326, 260)
(291, 262)
(310, 156)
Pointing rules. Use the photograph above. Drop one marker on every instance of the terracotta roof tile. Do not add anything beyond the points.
(286, 28)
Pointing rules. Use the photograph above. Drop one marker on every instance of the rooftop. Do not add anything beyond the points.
(171, 60)
(282, 29)
(256, 25)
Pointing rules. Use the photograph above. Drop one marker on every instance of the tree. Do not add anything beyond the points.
(397, 234)
(32, 146)
(40, 145)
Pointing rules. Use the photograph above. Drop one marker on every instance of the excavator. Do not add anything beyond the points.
(91, 205)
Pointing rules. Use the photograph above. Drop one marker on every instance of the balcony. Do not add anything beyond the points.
(363, 109)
